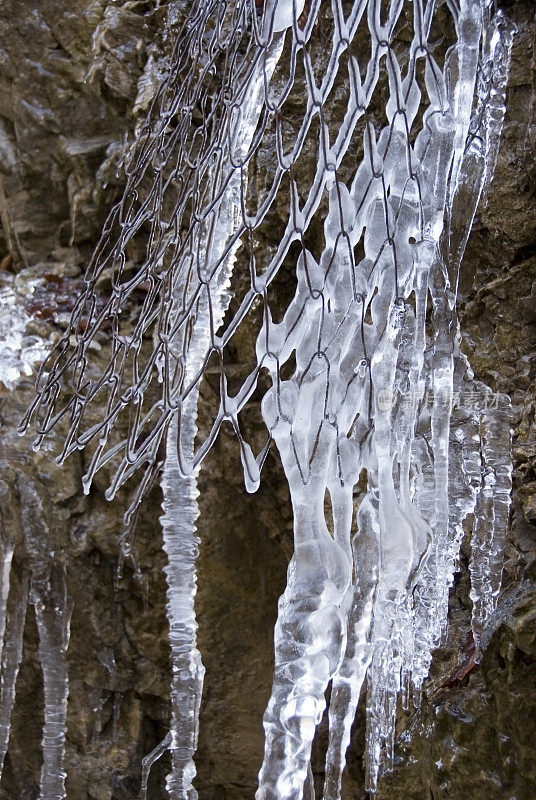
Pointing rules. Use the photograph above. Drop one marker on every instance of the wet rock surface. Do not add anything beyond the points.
(75, 76)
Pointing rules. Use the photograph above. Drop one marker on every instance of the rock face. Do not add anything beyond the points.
(74, 78)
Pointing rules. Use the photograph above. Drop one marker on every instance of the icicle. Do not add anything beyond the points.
(181, 547)
(462, 68)
(309, 418)
(442, 386)
(492, 510)
(180, 489)
(464, 465)
(6, 556)
(499, 37)
(149, 760)
(11, 659)
(424, 621)
(477, 165)
(48, 594)
(348, 680)
(280, 14)
(53, 621)
(396, 551)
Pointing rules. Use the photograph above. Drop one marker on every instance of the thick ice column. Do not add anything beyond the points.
(348, 680)
(310, 633)
(310, 629)
(309, 639)
(396, 556)
(309, 416)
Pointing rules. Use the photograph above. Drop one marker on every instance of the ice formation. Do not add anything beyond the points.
(375, 388)
(48, 594)
(19, 351)
(44, 587)
(178, 481)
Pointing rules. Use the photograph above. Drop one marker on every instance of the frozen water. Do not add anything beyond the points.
(19, 352)
(373, 399)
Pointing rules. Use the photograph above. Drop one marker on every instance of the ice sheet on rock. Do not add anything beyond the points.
(19, 351)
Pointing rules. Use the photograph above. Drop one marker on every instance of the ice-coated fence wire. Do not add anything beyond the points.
(347, 143)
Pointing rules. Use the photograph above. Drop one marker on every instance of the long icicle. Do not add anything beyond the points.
(53, 620)
(488, 538)
(48, 594)
(6, 556)
(11, 659)
(181, 547)
(349, 678)
(179, 489)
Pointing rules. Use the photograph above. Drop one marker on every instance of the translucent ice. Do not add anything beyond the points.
(363, 367)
